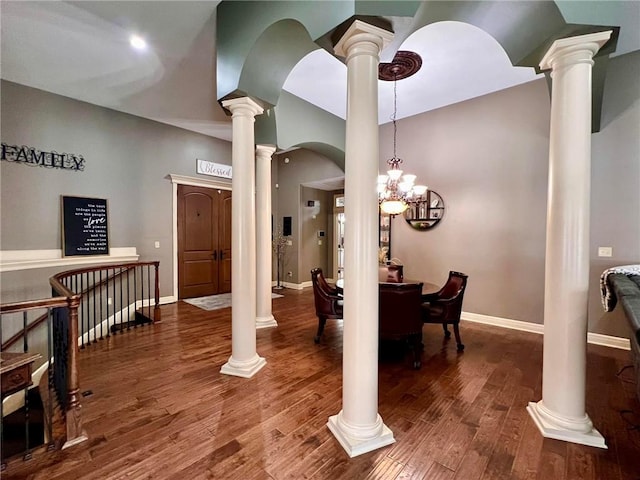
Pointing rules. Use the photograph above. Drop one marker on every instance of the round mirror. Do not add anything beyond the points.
(426, 213)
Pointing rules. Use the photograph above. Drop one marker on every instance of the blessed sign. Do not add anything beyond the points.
(85, 228)
(206, 167)
(34, 157)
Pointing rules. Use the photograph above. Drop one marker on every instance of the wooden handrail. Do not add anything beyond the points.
(8, 343)
(77, 271)
(33, 305)
(56, 280)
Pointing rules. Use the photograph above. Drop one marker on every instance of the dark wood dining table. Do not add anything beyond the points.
(427, 287)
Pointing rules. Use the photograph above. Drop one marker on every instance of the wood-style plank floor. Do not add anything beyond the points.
(160, 408)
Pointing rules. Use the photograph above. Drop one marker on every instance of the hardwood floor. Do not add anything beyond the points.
(160, 409)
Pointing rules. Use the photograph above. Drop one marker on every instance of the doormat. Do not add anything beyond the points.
(214, 302)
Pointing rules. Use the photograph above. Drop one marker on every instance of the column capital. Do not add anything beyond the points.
(265, 151)
(361, 31)
(570, 50)
(243, 106)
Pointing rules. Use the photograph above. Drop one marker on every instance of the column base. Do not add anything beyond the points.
(354, 442)
(245, 369)
(565, 429)
(266, 322)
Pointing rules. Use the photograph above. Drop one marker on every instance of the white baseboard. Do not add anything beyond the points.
(168, 299)
(503, 322)
(292, 286)
(127, 312)
(609, 341)
(594, 338)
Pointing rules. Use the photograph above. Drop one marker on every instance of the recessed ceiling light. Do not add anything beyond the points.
(137, 42)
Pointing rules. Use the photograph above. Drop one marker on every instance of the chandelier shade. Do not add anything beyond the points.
(396, 190)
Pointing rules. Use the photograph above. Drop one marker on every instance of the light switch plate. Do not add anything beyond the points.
(157, 244)
(605, 251)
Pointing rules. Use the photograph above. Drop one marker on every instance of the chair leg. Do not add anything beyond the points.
(456, 332)
(415, 342)
(321, 323)
(447, 333)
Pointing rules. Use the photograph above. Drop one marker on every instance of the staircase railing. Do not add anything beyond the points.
(89, 304)
(114, 297)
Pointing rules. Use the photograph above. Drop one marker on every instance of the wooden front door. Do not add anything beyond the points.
(204, 241)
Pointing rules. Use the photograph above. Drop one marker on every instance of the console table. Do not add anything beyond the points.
(15, 370)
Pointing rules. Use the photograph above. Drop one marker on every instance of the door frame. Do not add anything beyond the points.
(218, 183)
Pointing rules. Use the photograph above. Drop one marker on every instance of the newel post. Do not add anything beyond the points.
(75, 433)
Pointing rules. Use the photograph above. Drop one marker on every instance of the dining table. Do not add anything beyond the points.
(428, 288)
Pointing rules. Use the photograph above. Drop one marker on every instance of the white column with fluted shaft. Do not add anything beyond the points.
(561, 413)
(244, 361)
(358, 426)
(264, 274)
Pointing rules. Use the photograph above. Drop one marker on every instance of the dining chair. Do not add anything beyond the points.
(327, 301)
(399, 314)
(445, 305)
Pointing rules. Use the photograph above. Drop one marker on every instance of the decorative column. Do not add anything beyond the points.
(358, 426)
(263, 237)
(561, 412)
(244, 361)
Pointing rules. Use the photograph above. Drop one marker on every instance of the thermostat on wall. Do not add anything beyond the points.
(320, 233)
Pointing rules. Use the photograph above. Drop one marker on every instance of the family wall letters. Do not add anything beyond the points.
(33, 157)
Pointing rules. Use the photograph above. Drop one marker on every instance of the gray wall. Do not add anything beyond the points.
(127, 161)
(304, 166)
(615, 185)
(488, 158)
(312, 254)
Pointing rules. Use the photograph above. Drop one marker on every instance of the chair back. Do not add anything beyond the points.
(445, 306)
(325, 298)
(326, 286)
(454, 286)
(399, 309)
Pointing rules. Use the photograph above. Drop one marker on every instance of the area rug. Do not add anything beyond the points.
(214, 302)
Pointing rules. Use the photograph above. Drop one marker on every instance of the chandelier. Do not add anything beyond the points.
(396, 189)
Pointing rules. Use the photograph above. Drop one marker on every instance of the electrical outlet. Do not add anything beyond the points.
(289, 274)
(605, 251)
(319, 242)
(109, 301)
(289, 242)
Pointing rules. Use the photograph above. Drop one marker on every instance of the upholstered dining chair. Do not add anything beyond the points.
(445, 305)
(399, 314)
(327, 301)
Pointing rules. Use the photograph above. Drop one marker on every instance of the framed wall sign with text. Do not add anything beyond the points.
(85, 226)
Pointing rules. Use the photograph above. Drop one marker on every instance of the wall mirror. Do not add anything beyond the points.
(427, 213)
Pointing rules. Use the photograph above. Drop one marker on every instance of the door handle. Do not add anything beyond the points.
(215, 255)
(221, 254)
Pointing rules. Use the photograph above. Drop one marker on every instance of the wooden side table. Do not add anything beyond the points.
(15, 369)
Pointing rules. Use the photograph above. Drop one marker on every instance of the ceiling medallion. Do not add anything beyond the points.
(403, 65)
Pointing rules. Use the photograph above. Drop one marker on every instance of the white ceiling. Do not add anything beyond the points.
(452, 53)
(81, 50)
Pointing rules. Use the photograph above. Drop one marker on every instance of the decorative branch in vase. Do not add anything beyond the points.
(279, 245)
